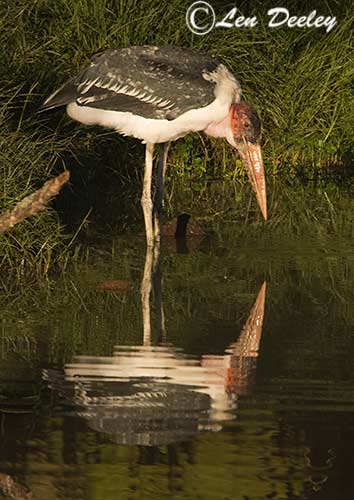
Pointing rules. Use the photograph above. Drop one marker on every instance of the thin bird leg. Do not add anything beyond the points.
(159, 194)
(146, 201)
(157, 287)
(165, 151)
(145, 292)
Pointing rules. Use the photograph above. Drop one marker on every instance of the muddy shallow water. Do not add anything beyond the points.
(230, 376)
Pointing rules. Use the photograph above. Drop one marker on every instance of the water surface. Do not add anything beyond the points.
(229, 377)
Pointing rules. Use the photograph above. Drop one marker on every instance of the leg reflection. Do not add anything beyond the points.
(152, 280)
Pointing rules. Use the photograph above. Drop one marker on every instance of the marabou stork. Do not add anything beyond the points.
(159, 94)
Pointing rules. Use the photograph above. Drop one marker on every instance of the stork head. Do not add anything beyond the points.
(245, 133)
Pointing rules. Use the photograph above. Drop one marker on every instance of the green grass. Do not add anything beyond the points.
(301, 82)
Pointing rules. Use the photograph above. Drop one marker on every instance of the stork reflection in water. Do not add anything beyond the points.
(154, 393)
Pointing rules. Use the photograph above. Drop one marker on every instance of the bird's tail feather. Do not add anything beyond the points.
(61, 97)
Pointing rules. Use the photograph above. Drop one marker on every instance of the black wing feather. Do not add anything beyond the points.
(154, 82)
(108, 100)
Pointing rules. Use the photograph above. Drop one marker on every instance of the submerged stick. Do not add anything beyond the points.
(33, 203)
(13, 489)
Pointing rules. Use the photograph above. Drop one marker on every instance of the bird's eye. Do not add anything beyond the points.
(247, 125)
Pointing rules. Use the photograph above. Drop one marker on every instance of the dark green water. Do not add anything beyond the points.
(239, 390)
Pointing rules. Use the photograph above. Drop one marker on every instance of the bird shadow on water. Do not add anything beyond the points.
(155, 394)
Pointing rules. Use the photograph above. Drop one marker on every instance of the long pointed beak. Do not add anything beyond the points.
(251, 155)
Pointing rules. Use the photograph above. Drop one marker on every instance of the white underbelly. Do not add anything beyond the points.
(148, 129)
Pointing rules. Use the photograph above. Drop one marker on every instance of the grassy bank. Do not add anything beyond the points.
(300, 80)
